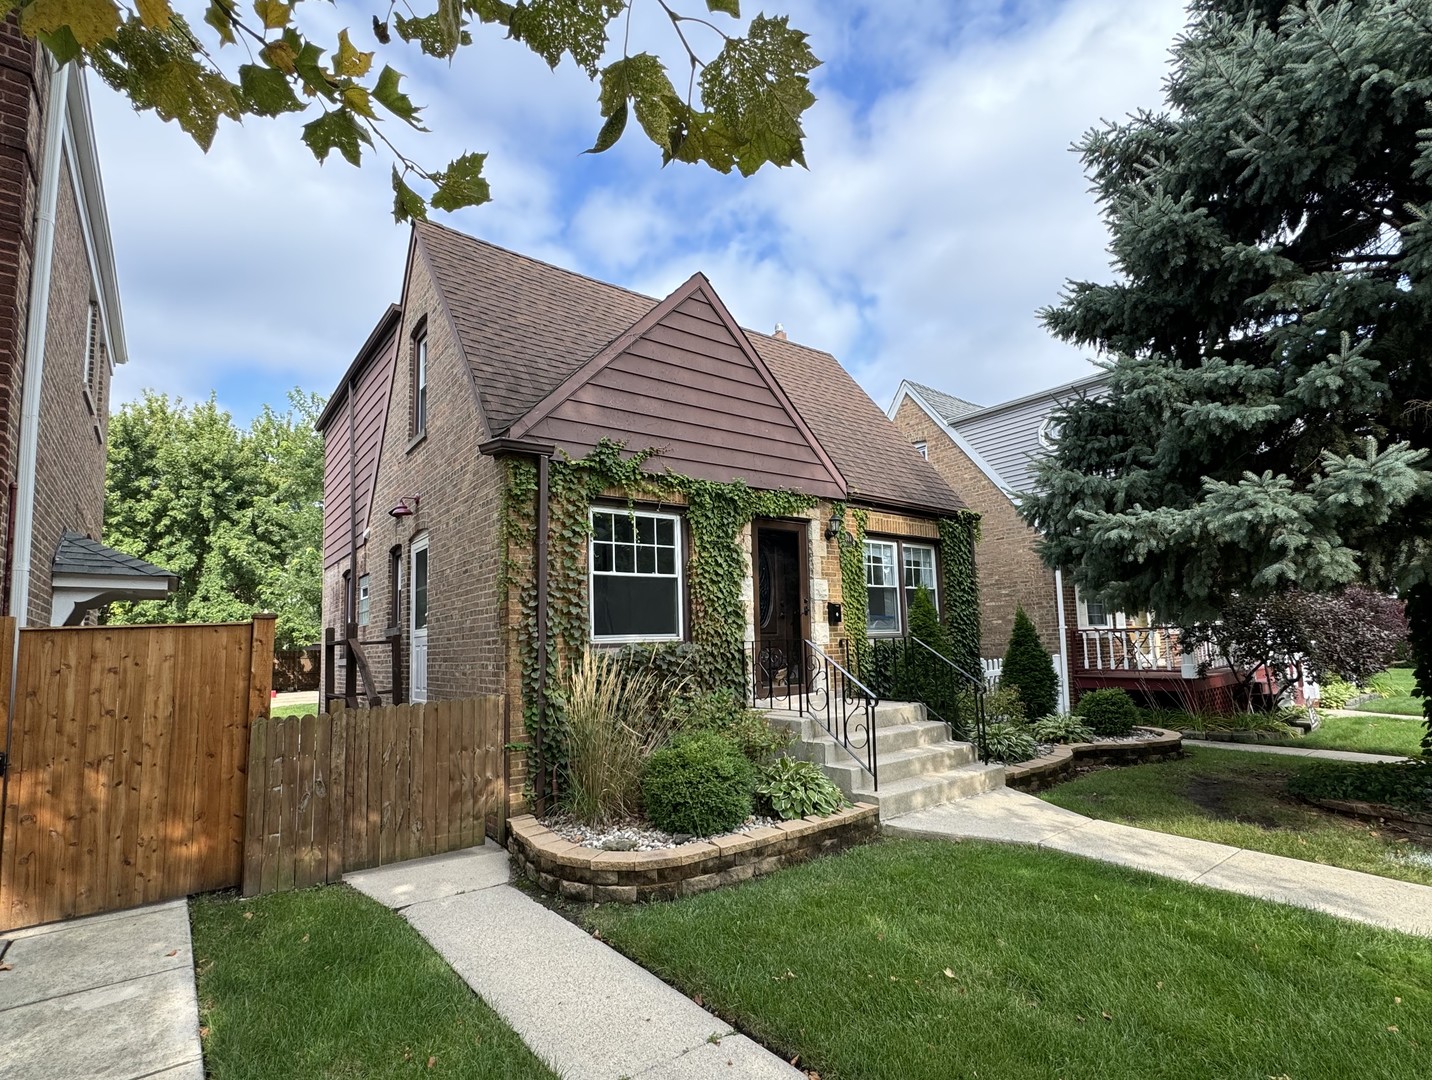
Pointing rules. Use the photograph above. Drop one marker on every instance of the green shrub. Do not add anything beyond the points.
(1407, 785)
(1264, 723)
(794, 789)
(699, 784)
(1009, 742)
(1029, 669)
(1336, 693)
(1108, 712)
(1061, 728)
(925, 623)
(724, 714)
(1003, 703)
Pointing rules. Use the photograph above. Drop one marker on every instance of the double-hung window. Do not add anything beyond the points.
(882, 586)
(636, 570)
(919, 562)
(364, 599)
(93, 346)
(420, 384)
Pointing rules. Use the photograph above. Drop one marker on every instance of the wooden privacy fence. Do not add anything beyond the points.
(359, 788)
(128, 753)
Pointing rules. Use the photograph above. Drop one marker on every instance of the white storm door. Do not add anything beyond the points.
(418, 624)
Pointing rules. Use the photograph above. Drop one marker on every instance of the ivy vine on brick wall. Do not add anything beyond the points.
(961, 608)
(855, 601)
(716, 568)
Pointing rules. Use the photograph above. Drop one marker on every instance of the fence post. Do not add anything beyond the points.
(260, 686)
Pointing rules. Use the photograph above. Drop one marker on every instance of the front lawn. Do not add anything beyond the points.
(932, 960)
(1363, 734)
(1394, 694)
(1240, 798)
(326, 983)
(302, 708)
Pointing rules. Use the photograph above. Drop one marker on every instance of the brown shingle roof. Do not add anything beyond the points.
(525, 326)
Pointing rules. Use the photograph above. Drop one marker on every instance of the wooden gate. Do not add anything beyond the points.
(128, 758)
(366, 787)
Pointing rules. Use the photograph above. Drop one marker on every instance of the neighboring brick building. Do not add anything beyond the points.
(492, 358)
(61, 333)
(988, 455)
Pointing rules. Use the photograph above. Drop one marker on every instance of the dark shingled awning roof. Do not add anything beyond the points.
(525, 326)
(78, 554)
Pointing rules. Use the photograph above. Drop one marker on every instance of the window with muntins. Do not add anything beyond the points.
(420, 384)
(364, 601)
(636, 576)
(919, 560)
(882, 587)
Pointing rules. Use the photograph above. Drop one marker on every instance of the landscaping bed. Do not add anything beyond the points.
(327, 983)
(926, 960)
(1243, 800)
(1058, 762)
(578, 872)
(1363, 735)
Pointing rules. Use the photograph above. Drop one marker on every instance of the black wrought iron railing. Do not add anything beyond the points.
(907, 669)
(801, 676)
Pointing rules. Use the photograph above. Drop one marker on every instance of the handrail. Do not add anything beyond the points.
(976, 684)
(833, 662)
(838, 712)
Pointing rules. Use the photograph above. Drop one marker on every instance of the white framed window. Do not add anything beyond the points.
(919, 562)
(92, 346)
(635, 579)
(364, 600)
(1092, 612)
(882, 587)
(420, 384)
(923, 449)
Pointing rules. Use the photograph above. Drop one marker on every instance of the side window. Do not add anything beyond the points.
(636, 570)
(420, 588)
(364, 600)
(920, 570)
(923, 449)
(882, 587)
(420, 384)
(93, 347)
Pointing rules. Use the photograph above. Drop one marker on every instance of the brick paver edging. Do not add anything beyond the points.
(1043, 772)
(626, 877)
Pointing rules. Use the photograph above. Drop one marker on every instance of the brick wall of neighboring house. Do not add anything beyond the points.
(23, 91)
(69, 465)
(1010, 572)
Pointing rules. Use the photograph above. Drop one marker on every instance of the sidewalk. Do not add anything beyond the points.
(1293, 751)
(109, 997)
(585, 1009)
(1014, 817)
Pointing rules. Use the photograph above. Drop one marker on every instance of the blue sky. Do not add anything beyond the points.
(941, 207)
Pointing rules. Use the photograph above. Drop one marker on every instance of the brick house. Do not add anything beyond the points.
(494, 366)
(987, 453)
(61, 333)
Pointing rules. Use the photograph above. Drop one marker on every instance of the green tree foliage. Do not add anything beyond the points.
(741, 106)
(236, 514)
(1029, 669)
(1266, 424)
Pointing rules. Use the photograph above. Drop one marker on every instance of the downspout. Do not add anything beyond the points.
(1064, 687)
(545, 785)
(35, 342)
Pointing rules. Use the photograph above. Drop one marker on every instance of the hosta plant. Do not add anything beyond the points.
(796, 789)
(1009, 742)
(1061, 728)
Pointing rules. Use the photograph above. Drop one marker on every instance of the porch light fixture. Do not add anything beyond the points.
(833, 529)
(402, 509)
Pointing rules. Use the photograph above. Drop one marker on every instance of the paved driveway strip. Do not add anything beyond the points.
(1012, 816)
(110, 997)
(588, 1011)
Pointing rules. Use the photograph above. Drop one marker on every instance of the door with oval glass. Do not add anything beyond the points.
(782, 607)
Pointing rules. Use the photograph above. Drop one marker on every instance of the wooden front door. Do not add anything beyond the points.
(781, 606)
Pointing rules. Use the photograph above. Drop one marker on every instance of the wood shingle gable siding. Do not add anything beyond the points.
(525, 328)
(708, 431)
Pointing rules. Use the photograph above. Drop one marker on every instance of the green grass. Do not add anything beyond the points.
(1239, 799)
(1394, 694)
(325, 983)
(930, 960)
(1363, 734)
(302, 709)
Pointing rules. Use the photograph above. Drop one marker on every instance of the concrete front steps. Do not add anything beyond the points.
(919, 765)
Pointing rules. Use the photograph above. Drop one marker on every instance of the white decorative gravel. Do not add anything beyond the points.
(635, 835)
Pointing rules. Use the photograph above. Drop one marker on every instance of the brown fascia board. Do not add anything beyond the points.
(503, 446)
(386, 326)
(901, 507)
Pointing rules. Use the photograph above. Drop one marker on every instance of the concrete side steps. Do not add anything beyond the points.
(919, 765)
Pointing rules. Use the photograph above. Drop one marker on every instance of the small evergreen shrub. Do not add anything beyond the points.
(1029, 669)
(792, 789)
(1008, 742)
(1108, 712)
(925, 623)
(699, 784)
(1004, 703)
(722, 713)
(1407, 785)
(1061, 728)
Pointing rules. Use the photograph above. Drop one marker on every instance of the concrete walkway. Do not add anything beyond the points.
(1014, 817)
(585, 1009)
(1293, 751)
(110, 997)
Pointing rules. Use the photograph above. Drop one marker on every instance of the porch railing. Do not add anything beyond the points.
(1138, 648)
(801, 676)
(909, 669)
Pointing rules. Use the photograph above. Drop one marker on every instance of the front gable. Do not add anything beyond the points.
(685, 379)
